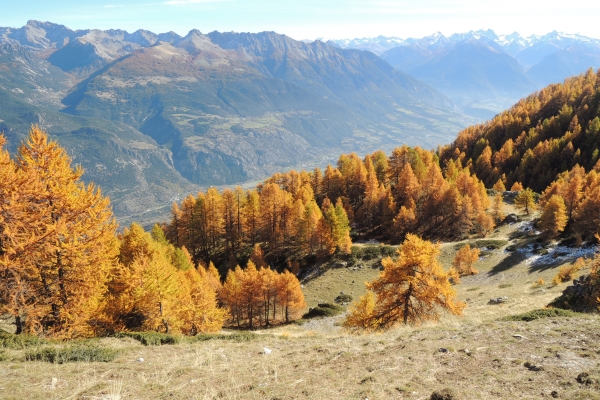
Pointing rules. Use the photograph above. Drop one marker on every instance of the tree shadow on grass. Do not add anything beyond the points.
(513, 259)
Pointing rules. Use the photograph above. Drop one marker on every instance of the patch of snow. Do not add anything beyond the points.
(555, 254)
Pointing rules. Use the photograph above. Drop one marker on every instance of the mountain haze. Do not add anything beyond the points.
(484, 72)
(217, 108)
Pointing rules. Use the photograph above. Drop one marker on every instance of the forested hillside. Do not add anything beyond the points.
(58, 235)
(541, 136)
(66, 273)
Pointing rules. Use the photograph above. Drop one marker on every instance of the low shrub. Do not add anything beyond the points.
(151, 338)
(540, 282)
(18, 342)
(343, 298)
(389, 251)
(76, 352)
(372, 252)
(323, 310)
(542, 313)
(567, 272)
(489, 244)
(237, 337)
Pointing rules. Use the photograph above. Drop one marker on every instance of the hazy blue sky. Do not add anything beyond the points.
(309, 19)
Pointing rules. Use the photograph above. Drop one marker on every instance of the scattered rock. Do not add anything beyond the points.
(554, 394)
(517, 336)
(267, 351)
(140, 360)
(533, 367)
(443, 350)
(586, 379)
(577, 297)
(511, 219)
(444, 394)
(498, 300)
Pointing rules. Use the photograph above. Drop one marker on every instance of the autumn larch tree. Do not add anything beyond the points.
(525, 201)
(554, 217)
(155, 287)
(62, 278)
(465, 259)
(409, 290)
(497, 206)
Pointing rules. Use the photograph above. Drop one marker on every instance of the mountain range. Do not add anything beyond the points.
(481, 71)
(152, 117)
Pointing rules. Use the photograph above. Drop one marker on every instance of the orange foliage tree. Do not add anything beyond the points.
(262, 297)
(155, 287)
(409, 290)
(56, 257)
(464, 260)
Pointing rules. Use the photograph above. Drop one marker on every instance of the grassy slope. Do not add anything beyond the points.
(318, 360)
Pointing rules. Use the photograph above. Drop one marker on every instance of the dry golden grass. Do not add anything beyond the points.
(482, 359)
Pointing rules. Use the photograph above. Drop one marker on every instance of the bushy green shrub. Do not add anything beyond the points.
(22, 341)
(373, 251)
(76, 352)
(323, 310)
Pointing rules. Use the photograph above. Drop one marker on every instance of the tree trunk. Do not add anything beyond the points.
(406, 303)
(19, 325)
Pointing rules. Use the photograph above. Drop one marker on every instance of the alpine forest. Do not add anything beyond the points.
(236, 257)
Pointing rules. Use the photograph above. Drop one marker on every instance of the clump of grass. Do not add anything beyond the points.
(505, 285)
(237, 337)
(343, 298)
(77, 352)
(324, 310)
(567, 272)
(542, 313)
(18, 342)
(3, 355)
(151, 338)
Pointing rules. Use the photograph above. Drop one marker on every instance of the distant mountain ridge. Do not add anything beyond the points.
(482, 71)
(207, 109)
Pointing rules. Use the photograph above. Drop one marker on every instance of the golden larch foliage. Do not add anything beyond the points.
(554, 217)
(464, 260)
(59, 241)
(567, 272)
(409, 290)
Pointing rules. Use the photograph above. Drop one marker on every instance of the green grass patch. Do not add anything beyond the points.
(76, 352)
(505, 285)
(3, 355)
(542, 313)
(18, 342)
